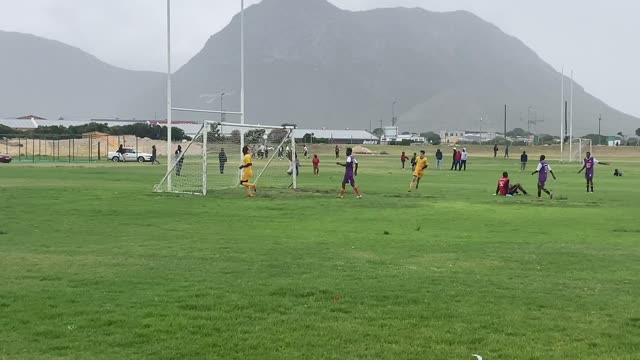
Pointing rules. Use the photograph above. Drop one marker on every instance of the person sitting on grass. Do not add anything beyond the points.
(506, 188)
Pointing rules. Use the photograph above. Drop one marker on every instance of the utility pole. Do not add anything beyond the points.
(221, 113)
(599, 137)
(505, 123)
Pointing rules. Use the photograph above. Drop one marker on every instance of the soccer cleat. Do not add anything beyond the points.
(359, 197)
(550, 195)
(340, 197)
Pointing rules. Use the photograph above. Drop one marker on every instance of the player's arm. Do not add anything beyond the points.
(341, 164)
(246, 165)
(498, 188)
(552, 174)
(537, 169)
(583, 167)
(601, 162)
(355, 170)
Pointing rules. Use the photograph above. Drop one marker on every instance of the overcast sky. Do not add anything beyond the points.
(597, 39)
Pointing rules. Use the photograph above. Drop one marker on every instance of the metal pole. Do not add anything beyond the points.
(293, 161)
(505, 125)
(33, 149)
(571, 121)
(221, 108)
(169, 147)
(39, 150)
(599, 120)
(562, 111)
(242, 104)
(205, 130)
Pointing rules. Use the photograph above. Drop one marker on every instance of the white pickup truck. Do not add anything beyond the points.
(130, 155)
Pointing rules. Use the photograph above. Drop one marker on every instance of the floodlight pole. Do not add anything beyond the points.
(242, 74)
(562, 107)
(571, 121)
(169, 106)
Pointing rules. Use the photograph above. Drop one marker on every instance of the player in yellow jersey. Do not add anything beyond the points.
(247, 171)
(418, 173)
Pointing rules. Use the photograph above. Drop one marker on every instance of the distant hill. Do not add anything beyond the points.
(313, 64)
(51, 79)
(310, 63)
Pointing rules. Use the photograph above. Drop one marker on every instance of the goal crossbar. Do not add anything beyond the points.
(207, 111)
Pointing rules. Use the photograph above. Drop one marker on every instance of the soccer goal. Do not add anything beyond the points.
(574, 151)
(211, 159)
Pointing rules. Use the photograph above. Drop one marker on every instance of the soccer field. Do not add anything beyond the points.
(93, 265)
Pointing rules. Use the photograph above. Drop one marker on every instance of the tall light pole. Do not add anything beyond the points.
(169, 147)
(393, 113)
(221, 113)
(481, 130)
(599, 137)
(242, 75)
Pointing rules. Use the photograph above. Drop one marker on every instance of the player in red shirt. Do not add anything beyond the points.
(316, 163)
(403, 158)
(505, 188)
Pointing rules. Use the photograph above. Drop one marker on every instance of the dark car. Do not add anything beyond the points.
(4, 158)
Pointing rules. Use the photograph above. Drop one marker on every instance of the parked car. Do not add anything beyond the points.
(130, 155)
(5, 158)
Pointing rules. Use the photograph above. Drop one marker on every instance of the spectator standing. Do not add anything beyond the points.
(222, 159)
(463, 160)
(438, 159)
(523, 160)
(453, 163)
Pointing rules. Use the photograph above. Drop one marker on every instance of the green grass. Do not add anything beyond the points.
(93, 265)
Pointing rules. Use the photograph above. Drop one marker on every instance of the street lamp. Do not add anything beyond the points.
(393, 114)
(221, 113)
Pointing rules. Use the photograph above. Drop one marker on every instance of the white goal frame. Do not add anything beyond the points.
(165, 184)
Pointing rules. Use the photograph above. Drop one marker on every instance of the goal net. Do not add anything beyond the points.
(211, 160)
(575, 150)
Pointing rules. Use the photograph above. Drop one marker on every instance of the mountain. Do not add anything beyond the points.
(51, 79)
(310, 63)
(313, 64)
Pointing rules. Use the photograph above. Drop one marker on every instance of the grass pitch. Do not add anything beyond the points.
(93, 265)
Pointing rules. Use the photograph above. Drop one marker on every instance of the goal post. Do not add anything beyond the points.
(576, 149)
(210, 161)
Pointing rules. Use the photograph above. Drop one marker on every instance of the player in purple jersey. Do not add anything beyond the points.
(589, 163)
(350, 172)
(542, 170)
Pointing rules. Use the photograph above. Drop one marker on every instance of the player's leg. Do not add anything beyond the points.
(247, 187)
(540, 187)
(342, 188)
(355, 188)
(590, 181)
(413, 181)
(418, 182)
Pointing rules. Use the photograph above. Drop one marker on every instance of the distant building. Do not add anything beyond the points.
(346, 136)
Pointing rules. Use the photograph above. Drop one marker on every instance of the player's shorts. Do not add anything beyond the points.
(541, 182)
(419, 175)
(348, 179)
(588, 176)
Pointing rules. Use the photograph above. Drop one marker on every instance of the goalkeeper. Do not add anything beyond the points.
(247, 171)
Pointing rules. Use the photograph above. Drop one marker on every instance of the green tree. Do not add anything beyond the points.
(379, 132)
(517, 132)
(638, 132)
(277, 135)
(254, 136)
(235, 136)
(431, 137)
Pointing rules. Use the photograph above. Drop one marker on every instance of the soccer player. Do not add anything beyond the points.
(542, 170)
(222, 160)
(337, 152)
(589, 163)
(505, 188)
(421, 164)
(403, 158)
(247, 171)
(306, 152)
(350, 172)
(316, 164)
(523, 160)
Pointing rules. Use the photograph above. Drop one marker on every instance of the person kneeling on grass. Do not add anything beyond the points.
(247, 171)
(506, 188)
